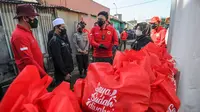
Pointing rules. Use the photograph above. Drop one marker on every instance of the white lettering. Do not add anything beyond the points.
(171, 108)
(102, 97)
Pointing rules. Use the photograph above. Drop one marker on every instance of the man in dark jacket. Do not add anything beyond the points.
(66, 39)
(60, 52)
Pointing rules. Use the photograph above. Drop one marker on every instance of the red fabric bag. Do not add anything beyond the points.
(64, 100)
(19, 87)
(163, 95)
(124, 90)
(35, 91)
(64, 89)
(79, 89)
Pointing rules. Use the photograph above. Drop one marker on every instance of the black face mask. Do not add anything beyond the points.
(154, 26)
(63, 32)
(33, 23)
(166, 26)
(100, 22)
(80, 30)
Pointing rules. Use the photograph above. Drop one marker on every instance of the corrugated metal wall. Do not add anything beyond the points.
(8, 25)
(47, 15)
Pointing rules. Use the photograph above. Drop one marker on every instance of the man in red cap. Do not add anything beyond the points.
(158, 32)
(103, 39)
(123, 36)
(24, 45)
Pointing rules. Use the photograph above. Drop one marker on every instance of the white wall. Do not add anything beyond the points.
(184, 42)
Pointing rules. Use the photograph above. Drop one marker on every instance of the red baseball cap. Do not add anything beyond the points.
(155, 19)
(25, 10)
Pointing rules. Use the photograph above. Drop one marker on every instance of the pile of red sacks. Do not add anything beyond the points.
(138, 81)
(28, 93)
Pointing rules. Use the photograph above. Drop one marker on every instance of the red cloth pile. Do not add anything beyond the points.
(28, 93)
(138, 81)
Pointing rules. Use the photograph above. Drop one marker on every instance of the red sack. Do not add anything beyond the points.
(60, 103)
(142, 58)
(19, 87)
(163, 95)
(64, 100)
(79, 89)
(35, 91)
(124, 90)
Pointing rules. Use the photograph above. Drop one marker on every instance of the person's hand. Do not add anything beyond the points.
(67, 77)
(85, 52)
(116, 47)
(102, 46)
(80, 51)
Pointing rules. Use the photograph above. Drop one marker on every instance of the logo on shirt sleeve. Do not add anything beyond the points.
(108, 32)
(23, 48)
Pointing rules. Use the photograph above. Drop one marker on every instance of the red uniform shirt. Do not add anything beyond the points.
(124, 35)
(158, 36)
(106, 36)
(26, 49)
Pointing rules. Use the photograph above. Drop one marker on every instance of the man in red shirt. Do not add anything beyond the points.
(103, 38)
(123, 36)
(158, 32)
(24, 45)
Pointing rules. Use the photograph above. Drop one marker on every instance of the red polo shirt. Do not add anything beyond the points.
(26, 49)
(124, 35)
(158, 36)
(106, 36)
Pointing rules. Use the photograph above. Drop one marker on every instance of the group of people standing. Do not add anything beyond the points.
(103, 39)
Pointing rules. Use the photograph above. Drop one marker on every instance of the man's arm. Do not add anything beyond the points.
(121, 35)
(93, 42)
(67, 40)
(22, 46)
(87, 45)
(162, 34)
(115, 38)
(56, 53)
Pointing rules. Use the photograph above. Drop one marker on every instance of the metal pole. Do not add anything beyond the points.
(116, 7)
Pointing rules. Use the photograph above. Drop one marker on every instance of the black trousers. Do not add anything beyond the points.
(59, 77)
(101, 59)
(82, 61)
(123, 42)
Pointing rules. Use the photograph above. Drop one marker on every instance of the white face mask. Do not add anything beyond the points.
(138, 33)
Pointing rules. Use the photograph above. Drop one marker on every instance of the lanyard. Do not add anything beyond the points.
(103, 32)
